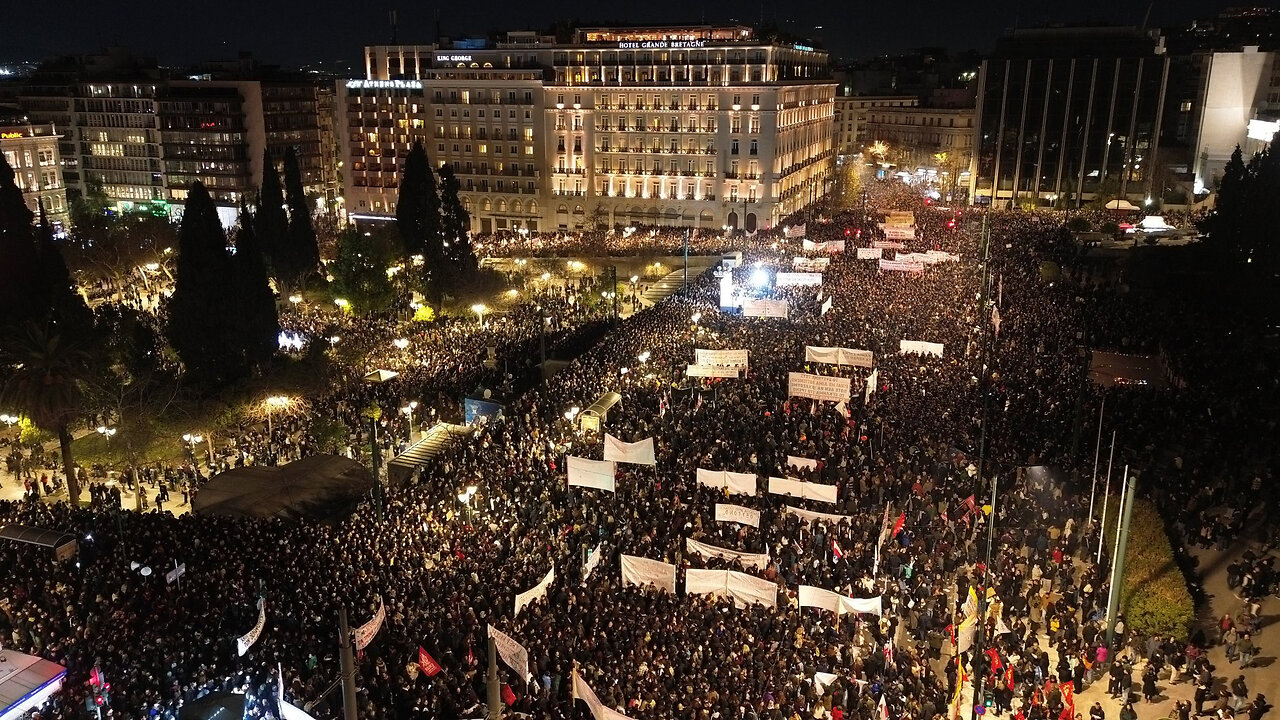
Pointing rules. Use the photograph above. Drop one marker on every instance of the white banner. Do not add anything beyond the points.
(765, 308)
(728, 293)
(732, 358)
(818, 387)
(712, 371)
(920, 347)
(365, 633)
(802, 462)
(870, 253)
(901, 266)
(801, 489)
(809, 517)
(839, 356)
(886, 244)
(737, 514)
(804, 264)
(536, 591)
(591, 473)
(759, 561)
(810, 596)
(593, 559)
(826, 307)
(743, 588)
(643, 571)
(872, 380)
(900, 233)
(639, 453)
(795, 232)
(797, 279)
(599, 710)
(822, 680)
(830, 246)
(736, 483)
(246, 641)
(511, 652)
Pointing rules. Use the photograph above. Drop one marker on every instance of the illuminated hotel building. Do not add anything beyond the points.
(687, 126)
(32, 152)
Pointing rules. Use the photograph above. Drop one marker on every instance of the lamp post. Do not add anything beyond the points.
(192, 439)
(479, 309)
(465, 496)
(408, 410)
(400, 343)
(106, 432)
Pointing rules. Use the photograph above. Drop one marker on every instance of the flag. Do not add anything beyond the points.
(872, 380)
(970, 607)
(888, 652)
(1069, 697)
(884, 525)
(995, 318)
(508, 695)
(1008, 676)
(471, 657)
(994, 656)
(884, 708)
(897, 524)
(835, 551)
(698, 406)
(427, 664)
(1000, 289)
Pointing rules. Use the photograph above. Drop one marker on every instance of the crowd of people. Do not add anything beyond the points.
(927, 463)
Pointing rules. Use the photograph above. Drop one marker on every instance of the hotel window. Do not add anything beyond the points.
(733, 149)
(753, 124)
(755, 146)
(755, 99)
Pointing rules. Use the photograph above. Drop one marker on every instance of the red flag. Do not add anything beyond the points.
(994, 655)
(1008, 676)
(427, 664)
(471, 657)
(835, 551)
(897, 524)
(508, 695)
(968, 502)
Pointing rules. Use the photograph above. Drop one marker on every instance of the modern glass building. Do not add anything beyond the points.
(1067, 114)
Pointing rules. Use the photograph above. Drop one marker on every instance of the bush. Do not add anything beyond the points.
(1110, 227)
(1154, 598)
(1079, 224)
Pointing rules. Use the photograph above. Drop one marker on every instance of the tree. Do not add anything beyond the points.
(202, 326)
(118, 247)
(256, 303)
(66, 307)
(48, 385)
(301, 255)
(418, 209)
(272, 222)
(88, 213)
(1225, 225)
(134, 382)
(360, 271)
(460, 259)
(21, 299)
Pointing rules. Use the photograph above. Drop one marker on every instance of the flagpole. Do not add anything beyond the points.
(1097, 453)
(347, 659)
(1106, 495)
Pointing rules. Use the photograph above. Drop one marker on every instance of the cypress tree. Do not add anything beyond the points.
(272, 222)
(257, 304)
(301, 250)
(202, 327)
(20, 299)
(455, 224)
(67, 307)
(418, 208)
(1226, 225)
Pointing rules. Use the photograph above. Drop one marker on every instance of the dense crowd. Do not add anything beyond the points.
(910, 523)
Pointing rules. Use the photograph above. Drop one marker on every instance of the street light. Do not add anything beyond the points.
(105, 432)
(342, 303)
(480, 309)
(408, 410)
(400, 343)
(465, 498)
(295, 299)
(9, 420)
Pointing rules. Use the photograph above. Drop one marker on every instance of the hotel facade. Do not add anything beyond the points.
(692, 126)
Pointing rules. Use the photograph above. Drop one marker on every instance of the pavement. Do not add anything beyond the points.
(11, 488)
(1262, 677)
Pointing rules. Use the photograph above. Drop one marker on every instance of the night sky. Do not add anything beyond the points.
(286, 31)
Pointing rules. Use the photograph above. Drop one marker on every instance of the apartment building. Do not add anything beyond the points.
(692, 126)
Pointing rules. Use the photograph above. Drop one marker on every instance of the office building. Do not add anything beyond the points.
(690, 126)
(32, 152)
(1237, 104)
(1066, 114)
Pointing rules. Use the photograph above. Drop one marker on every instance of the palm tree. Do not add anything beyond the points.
(47, 381)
